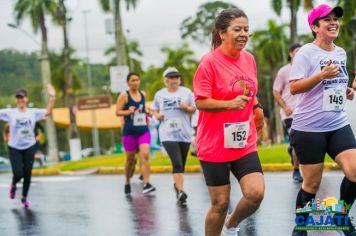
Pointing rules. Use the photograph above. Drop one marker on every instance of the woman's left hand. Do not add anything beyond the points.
(183, 106)
(51, 91)
(350, 93)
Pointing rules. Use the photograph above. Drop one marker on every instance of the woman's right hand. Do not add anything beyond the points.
(131, 109)
(160, 117)
(330, 71)
(238, 103)
(50, 90)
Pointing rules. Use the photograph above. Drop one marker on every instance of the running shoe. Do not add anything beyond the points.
(148, 188)
(297, 177)
(182, 198)
(233, 231)
(299, 232)
(127, 189)
(12, 191)
(24, 202)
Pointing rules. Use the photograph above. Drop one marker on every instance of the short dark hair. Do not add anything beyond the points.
(316, 22)
(222, 22)
(292, 48)
(131, 74)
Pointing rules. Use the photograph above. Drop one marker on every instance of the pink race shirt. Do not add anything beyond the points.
(224, 78)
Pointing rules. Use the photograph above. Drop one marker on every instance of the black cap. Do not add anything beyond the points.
(21, 93)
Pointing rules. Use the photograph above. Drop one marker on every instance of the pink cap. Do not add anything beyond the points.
(321, 11)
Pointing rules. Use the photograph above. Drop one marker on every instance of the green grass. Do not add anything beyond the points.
(273, 154)
(277, 154)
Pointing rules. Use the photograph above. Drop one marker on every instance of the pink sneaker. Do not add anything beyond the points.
(24, 202)
(12, 191)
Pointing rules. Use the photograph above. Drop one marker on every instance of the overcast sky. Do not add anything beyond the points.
(154, 24)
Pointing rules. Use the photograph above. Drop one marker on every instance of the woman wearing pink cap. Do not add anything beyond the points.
(225, 88)
(320, 125)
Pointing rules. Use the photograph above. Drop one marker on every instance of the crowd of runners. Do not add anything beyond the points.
(311, 90)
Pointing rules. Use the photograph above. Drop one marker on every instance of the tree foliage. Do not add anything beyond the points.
(293, 6)
(18, 70)
(199, 27)
(35, 9)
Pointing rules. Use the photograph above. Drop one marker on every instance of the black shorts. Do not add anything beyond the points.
(287, 125)
(311, 147)
(218, 173)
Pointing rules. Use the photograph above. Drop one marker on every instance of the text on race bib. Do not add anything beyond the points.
(236, 134)
(334, 98)
(174, 125)
(139, 119)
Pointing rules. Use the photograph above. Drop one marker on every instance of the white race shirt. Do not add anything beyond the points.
(22, 125)
(320, 109)
(176, 124)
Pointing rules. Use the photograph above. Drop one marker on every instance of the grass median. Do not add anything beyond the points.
(276, 154)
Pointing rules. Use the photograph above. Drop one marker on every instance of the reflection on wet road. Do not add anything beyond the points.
(96, 205)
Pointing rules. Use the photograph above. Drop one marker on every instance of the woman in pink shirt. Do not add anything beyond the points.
(225, 88)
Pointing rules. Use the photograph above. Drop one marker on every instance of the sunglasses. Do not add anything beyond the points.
(173, 77)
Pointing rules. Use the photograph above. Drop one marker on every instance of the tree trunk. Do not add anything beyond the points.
(293, 21)
(52, 148)
(119, 36)
(68, 74)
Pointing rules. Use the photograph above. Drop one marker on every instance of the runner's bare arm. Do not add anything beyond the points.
(158, 115)
(51, 99)
(258, 115)
(354, 83)
(120, 103)
(350, 94)
(305, 84)
(213, 105)
(277, 96)
(187, 108)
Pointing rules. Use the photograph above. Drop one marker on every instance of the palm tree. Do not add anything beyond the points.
(69, 96)
(134, 53)
(293, 8)
(200, 26)
(115, 7)
(182, 58)
(349, 7)
(36, 11)
(268, 46)
(347, 37)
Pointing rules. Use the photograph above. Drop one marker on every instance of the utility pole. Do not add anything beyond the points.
(120, 43)
(94, 130)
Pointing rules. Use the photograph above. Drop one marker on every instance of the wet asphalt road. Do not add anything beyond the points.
(96, 205)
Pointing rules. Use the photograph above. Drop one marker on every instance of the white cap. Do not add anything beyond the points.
(171, 71)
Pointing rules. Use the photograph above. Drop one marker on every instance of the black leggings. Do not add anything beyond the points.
(177, 152)
(21, 164)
